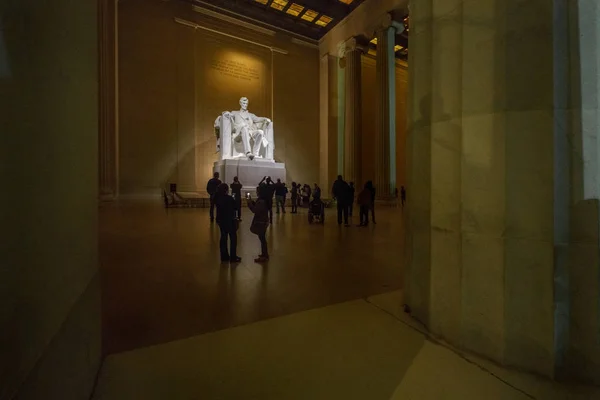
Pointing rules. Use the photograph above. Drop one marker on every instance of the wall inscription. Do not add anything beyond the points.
(235, 69)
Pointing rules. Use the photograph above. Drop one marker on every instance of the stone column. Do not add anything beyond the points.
(107, 134)
(324, 121)
(495, 262)
(385, 112)
(353, 113)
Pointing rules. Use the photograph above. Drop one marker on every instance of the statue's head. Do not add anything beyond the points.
(244, 103)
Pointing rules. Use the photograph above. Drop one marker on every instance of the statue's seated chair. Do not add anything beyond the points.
(229, 141)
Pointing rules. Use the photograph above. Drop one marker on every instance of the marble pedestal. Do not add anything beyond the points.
(249, 172)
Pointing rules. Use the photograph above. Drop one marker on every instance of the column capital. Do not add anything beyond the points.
(351, 44)
(385, 22)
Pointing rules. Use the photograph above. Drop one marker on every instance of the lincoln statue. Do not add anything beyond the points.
(243, 134)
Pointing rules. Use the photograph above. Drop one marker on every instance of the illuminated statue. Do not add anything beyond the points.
(241, 134)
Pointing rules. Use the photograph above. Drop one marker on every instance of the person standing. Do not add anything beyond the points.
(369, 186)
(340, 193)
(236, 191)
(294, 198)
(211, 188)
(317, 192)
(299, 188)
(280, 191)
(260, 222)
(364, 200)
(269, 190)
(402, 195)
(351, 199)
(227, 224)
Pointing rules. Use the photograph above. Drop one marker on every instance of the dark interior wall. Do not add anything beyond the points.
(50, 333)
(169, 99)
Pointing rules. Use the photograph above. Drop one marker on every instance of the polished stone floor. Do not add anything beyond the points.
(323, 320)
(364, 349)
(162, 279)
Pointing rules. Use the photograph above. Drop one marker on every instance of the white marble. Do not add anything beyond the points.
(249, 172)
(241, 134)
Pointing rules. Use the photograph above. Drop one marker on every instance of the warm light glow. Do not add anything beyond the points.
(398, 47)
(295, 9)
(324, 20)
(372, 52)
(262, 1)
(309, 15)
(374, 41)
(346, 1)
(279, 4)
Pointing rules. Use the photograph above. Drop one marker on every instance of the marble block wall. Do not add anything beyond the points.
(502, 253)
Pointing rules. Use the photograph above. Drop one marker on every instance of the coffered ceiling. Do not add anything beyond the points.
(307, 18)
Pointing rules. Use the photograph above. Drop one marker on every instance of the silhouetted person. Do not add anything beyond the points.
(260, 222)
(341, 193)
(268, 191)
(351, 198)
(211, 188)
(364, 201)
(236, 191)
(227, 224)
(306, 195)
(371, 188)
(402, 195)
(280, 191)
(300, 193)
(317, 192)
(294, 198)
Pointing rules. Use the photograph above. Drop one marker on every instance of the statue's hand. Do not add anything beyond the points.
(227, 114)
(267, 121)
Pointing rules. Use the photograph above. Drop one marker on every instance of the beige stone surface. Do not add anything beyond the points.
(497, 168)
(355, 350)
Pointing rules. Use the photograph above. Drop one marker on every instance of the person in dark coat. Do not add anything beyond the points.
(211, 188)
(268, 188)
(341, 193)
(226, 220)
(260, 222)
(364, 201)
(236, 191)
(280, 192)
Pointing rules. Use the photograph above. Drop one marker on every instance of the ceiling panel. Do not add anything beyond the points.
(308, 18)
(305, 18)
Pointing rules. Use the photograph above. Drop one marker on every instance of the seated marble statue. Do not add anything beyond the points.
(243, 134)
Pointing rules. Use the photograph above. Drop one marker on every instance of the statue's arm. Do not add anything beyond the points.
(258, 120)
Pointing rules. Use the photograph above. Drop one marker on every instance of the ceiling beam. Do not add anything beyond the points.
(335, 10)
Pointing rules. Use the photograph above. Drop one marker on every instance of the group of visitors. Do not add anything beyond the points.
(229, 214)
(344, 194)
(229, 208)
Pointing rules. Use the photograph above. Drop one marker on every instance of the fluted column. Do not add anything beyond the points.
(385, 130)
(107, 137)
(353, 114)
